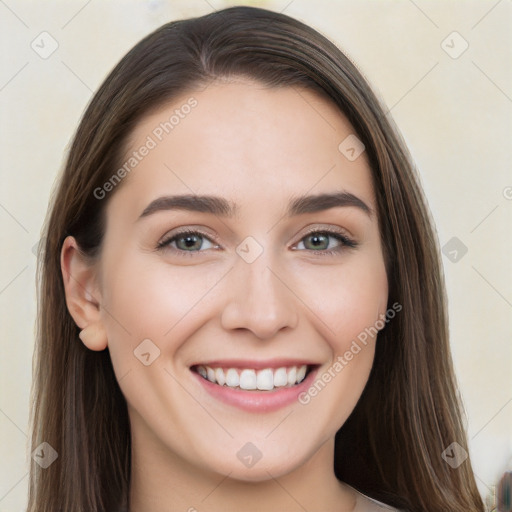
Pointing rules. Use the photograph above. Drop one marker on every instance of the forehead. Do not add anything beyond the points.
(243, 140)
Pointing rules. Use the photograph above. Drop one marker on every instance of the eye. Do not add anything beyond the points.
(325, 242)
(187, 242)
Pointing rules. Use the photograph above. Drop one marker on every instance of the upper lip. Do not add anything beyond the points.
(255, 364)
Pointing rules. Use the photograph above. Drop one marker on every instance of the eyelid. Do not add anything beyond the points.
(327, 229)
(341, 232)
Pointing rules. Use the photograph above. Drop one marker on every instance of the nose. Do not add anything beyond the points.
(260, 300)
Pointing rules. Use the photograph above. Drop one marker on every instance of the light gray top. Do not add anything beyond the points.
(366, 504)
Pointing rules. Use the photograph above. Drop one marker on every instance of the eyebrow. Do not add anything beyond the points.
(224, 208)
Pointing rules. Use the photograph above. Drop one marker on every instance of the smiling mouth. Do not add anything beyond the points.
(249, 379)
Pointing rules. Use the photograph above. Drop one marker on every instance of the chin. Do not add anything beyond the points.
(266, 468)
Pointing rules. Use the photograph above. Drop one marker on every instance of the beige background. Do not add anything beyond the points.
(455, 114)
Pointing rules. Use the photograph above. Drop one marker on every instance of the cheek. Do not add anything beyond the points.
(152, 308)
(147, 299)
(348, 299)
(346, 302)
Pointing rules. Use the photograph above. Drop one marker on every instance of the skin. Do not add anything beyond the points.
(258, 147)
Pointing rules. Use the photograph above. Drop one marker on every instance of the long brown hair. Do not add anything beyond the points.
(391, 446)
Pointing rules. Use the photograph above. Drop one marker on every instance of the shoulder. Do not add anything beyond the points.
(366, 504)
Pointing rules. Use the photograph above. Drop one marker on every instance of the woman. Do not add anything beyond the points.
(241, 298)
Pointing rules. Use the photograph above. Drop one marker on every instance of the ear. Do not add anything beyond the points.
(82, 294)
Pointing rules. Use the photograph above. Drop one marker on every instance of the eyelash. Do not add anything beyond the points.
(345, 242)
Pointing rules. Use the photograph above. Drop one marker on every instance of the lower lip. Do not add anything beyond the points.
(257, 401)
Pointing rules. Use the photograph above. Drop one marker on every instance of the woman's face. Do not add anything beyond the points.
(270, 276)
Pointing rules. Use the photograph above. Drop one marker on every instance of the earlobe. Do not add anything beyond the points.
(82, 294)
(94, 336)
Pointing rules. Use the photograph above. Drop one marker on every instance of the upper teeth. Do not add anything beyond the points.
(265, 380)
